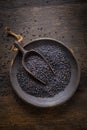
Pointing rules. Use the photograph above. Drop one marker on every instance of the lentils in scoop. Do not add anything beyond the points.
(58, 59)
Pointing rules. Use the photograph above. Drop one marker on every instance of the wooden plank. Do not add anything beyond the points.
(63, 22)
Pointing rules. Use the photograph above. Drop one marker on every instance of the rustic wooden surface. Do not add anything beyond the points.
(64, 21)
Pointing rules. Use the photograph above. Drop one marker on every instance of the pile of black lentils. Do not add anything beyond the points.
(58, 58)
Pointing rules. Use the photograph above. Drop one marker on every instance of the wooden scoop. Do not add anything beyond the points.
(26, 54)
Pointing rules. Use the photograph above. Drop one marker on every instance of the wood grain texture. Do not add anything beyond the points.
(65, 22)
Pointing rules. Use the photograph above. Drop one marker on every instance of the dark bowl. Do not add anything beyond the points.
(59, 98)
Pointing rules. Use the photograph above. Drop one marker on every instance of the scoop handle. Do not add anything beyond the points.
(20, 47)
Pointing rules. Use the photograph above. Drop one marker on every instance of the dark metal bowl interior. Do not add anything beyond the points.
(48, 101)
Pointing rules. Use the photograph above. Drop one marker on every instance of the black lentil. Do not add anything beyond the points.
(60, 62)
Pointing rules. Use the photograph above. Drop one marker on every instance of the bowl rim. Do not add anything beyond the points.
(23, 97)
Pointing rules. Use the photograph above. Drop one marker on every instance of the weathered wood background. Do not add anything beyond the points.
(63, 20)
